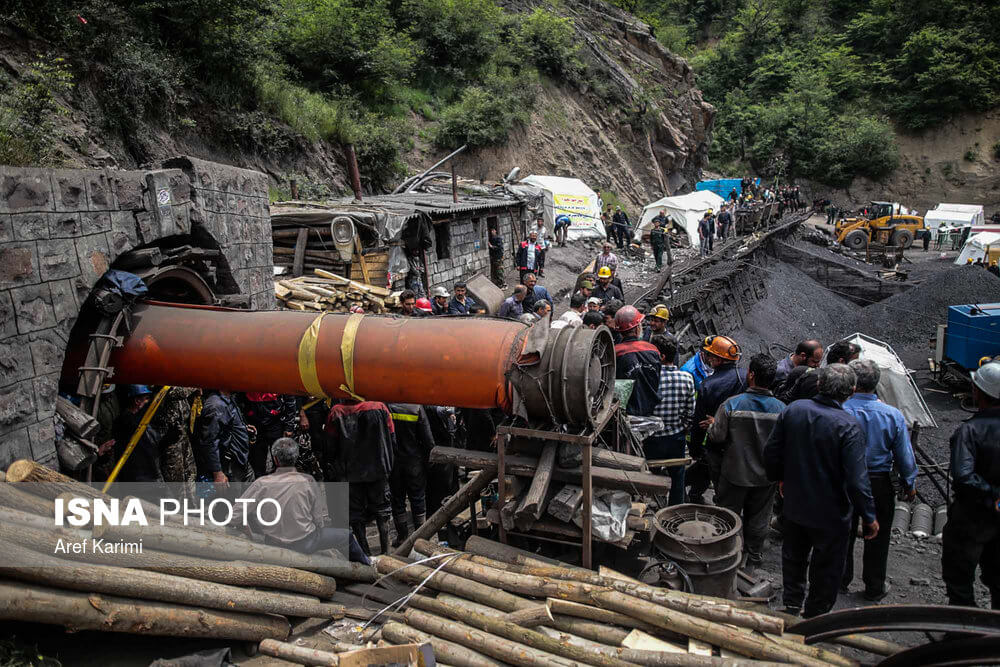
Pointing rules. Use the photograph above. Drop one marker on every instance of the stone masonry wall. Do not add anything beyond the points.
(466, 259)
(61, 229)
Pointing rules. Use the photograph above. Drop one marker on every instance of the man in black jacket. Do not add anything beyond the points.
(638, 361)
(816, 453)
(972, 534)
(222, 448)
(408, 479)
(496, 259)
(143, 465)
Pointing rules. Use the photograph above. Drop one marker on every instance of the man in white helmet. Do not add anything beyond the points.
(972, 534)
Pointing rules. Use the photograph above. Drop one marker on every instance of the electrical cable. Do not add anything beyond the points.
(446, 558)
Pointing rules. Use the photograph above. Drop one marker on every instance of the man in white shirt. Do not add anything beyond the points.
(574, 316)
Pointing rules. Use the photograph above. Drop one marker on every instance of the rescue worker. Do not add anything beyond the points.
(726, 381)
(362, 441)
(972, 533)
(408, 480)
(143, 465)
(108, 412)
(657, 320)
(740, 429)
(527, 255)
(222, 442)
(273, 416)
(725, 221)
(496, 258)
(620, 226)
(706, 232)
(637, 360)
(593, 303)
(887, 445)
(658, 239)
(423, 307)
(698, 367)
(461, 303)
(408, 302)
(802, 381)
(563, 223)
(439, 301)
(604, 290)
(177, 456)
(816, 454)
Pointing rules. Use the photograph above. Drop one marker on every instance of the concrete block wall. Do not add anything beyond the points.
(465, 259)
(61, 229)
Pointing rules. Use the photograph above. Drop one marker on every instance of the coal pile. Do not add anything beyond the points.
(910, 319)
(797, 307)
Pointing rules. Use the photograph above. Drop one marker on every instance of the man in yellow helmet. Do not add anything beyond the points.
(604, 289)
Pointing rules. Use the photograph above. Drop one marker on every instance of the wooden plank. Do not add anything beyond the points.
(696, 647)
(588, 505)
(534, 501)
(300, 251)
(361, 260)
(637, 639)
(605, 571)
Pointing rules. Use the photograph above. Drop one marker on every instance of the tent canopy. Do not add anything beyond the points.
(979, 215)
(941, 218)
(975, 246)
(686, 210)
(572, 197)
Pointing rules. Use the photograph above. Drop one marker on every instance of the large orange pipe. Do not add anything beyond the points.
(453, 361)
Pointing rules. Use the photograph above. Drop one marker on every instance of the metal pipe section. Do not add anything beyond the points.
(454, 361)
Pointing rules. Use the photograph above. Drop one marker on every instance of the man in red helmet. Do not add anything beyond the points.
(638, 361)
(423, 307)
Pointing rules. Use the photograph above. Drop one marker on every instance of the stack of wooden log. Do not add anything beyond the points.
(328, 292)
(301, 247)
(493, 604)
(180, 585)
(75, 447)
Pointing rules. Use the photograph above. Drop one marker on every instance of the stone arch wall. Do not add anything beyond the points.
(60, 230)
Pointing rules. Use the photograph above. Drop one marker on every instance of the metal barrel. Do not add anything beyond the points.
(901, 518)
(922, 522)
(940, 518)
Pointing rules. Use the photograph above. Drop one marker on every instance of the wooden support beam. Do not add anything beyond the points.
(533, 504)
(298, 263)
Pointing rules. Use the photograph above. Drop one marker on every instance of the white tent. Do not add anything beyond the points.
(686, 210)
(572, 197)
(978, 214)
(944, 218)
(975, 246)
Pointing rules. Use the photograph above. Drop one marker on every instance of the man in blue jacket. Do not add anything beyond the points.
(816, 454)
(888, 441)
(222, 448)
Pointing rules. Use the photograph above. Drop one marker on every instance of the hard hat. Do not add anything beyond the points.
(439, 291)
(710, 211)
(987, 378)
(660, 311)
(722, 346)
(627, 318)
(138, 390)
(594, 300)
(424, 305)
(604, 272)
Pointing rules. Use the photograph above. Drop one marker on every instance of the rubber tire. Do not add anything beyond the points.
(902, 237)
(856, 240)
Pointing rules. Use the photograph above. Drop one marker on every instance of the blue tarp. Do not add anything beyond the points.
(723, 186)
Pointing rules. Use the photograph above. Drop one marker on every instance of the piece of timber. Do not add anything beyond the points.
(13, 497)
(450, 652)
(493, 597)
(524, 466)
(530, 617)
(600, 456)
(860, 642)
(224, 547)
(129, 583)
(91, 611)
(455, 504)
(533, 504)
(79, 422)
(300, 655)
(599, 615)
(564, 581)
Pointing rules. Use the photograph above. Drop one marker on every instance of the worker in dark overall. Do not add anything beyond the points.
(362, 442)
(408, 479)
(274, 416)
(143, 465)
(726, 381)
(658, 239)
(972, 534)
(637, 360)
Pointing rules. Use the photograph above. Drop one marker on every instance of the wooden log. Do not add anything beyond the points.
(524, 466)
(370, 289)
(77, 421)
(47, 482)
(578, 610)
(545, 577)
(496, 647)
(13, 497)
(533, 504)
(83, 611)
(458, 501)
(530, 617)
(449, 652)
(44, 539)
(300, 655)
(861, 642)
(75, 453)
(300, 251)
(125, 582)
(293, 234)
(224, 547)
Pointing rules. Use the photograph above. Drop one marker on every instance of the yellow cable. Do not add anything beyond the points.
(151, 409)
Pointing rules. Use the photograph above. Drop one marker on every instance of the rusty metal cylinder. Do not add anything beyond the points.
(454, 361)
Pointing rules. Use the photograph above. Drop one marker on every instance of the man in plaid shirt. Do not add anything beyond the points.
(676, 409)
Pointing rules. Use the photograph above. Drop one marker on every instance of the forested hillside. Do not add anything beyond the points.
(816, 88)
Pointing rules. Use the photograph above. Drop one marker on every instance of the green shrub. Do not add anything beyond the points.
(484, 115)
(550, 42)
(29, 109)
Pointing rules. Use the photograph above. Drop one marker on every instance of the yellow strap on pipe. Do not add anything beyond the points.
(401, 417)
(307, 358)
(347, 353)
(151, 409)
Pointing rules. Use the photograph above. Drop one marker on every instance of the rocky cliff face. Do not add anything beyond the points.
(653, 140)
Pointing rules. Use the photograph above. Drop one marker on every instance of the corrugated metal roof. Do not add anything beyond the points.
(407, 204)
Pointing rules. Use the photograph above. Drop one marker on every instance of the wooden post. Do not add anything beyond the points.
(298, 263)
(446, 651)
(361, 260)
(454, 183)
(300, 655)
(502, 481)
(92, 611)
(530, 617)
(294, 188)
(533, 504)
(588, 505)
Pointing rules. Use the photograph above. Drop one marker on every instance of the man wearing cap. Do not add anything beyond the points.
(726, 381)
(658, 239)
(605, 290)
(439, 302)
(972, 534)
(422, 307)
(461, 303)
(143, 465)
(527, 254)
(593, 303)
(637, 360)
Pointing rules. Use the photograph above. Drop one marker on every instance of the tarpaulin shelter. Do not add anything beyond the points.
(723, 186)
(686, 211)
(943, 218)
(976, 245)
(572, 197)
(975, 210)
(895, 386)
